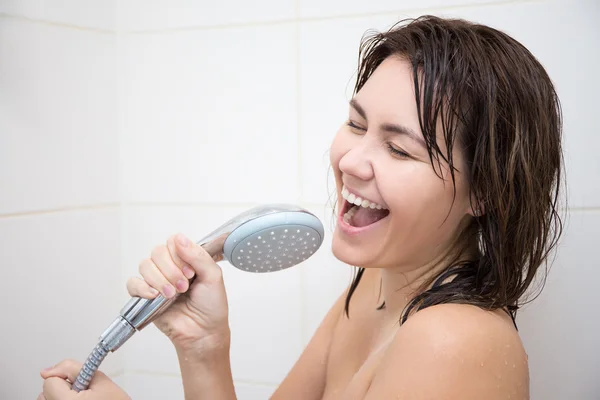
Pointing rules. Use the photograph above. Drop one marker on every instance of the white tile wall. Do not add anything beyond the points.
(210, 116)
(151, 386)
(136, 15)
(98, 14)
(58, 146)
(159, 387)
(559, 329)
(211, 122)
(61, 273)
(335, 8)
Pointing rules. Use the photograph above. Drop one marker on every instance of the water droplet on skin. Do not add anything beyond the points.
(505, 362)
(482, 363)
(514, 366)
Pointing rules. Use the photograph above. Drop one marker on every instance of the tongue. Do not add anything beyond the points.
(367, 216)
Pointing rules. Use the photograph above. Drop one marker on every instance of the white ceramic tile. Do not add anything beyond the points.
(558, 328)
(159, 387)
(210, 116)
(25, 8)
(61, 273)
(265, 309)
(325, 278)
(163, 14)
(316, 8)
(58, 146)
(82, 13)
(87, 13)
(328, 57)
(151, 386)
(246, 391)
(328, 60)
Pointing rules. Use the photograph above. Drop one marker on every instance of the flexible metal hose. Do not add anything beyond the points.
(89, 368)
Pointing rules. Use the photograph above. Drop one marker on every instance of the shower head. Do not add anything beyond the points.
(263, 239)
(268, 238)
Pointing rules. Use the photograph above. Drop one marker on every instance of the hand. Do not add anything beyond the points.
(198, 319)
(57, 388)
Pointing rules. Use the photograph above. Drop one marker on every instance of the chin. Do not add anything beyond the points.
(349, 253)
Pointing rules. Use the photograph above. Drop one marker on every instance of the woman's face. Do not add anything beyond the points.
(380, 156)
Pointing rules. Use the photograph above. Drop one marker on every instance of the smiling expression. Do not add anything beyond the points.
(380, 155)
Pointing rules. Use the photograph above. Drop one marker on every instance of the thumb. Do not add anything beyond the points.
(66, 369)
(57, 389)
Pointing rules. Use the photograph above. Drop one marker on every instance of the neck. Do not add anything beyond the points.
(399, 285)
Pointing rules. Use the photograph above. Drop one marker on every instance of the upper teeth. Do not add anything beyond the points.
(354, 199)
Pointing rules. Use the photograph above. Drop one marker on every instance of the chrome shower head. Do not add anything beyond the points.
(262, 239)
(273, 238)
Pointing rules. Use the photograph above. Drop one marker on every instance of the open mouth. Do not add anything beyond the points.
(363, 215)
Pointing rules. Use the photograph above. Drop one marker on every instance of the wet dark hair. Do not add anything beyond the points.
(496, 101)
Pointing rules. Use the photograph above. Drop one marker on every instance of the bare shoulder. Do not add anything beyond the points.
(454, 351)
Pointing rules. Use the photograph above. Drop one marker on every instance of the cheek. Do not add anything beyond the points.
(417, 193)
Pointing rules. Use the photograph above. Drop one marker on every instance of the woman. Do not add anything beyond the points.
(447, 173)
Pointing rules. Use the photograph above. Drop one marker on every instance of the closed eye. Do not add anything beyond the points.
(354, 126)
(397, 152)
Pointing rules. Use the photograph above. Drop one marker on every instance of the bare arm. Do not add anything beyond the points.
(453, 352)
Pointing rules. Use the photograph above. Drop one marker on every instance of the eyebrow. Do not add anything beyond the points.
(393, 128)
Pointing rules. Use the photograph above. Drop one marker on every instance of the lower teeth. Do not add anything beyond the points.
(349, 214)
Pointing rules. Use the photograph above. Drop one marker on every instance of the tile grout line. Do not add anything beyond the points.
(104, 206)
(56, 23)
(300, 174)
(338, 17)
(281, 21)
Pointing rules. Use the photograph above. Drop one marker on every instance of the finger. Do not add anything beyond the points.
(162, 259)
(41, 397)
(156, 279)
(202, 262)
(187, 270)
(57, 389)
(137, 287)
(66, 369)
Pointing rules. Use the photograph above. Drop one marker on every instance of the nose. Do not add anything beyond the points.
(357, 162)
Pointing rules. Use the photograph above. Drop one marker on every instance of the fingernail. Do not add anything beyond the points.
(47, 369)
(181, 285)
(153, 291)
(188, 272)
(168, 291)
(183, 241)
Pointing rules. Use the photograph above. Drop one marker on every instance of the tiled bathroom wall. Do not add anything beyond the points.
(124, 122)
